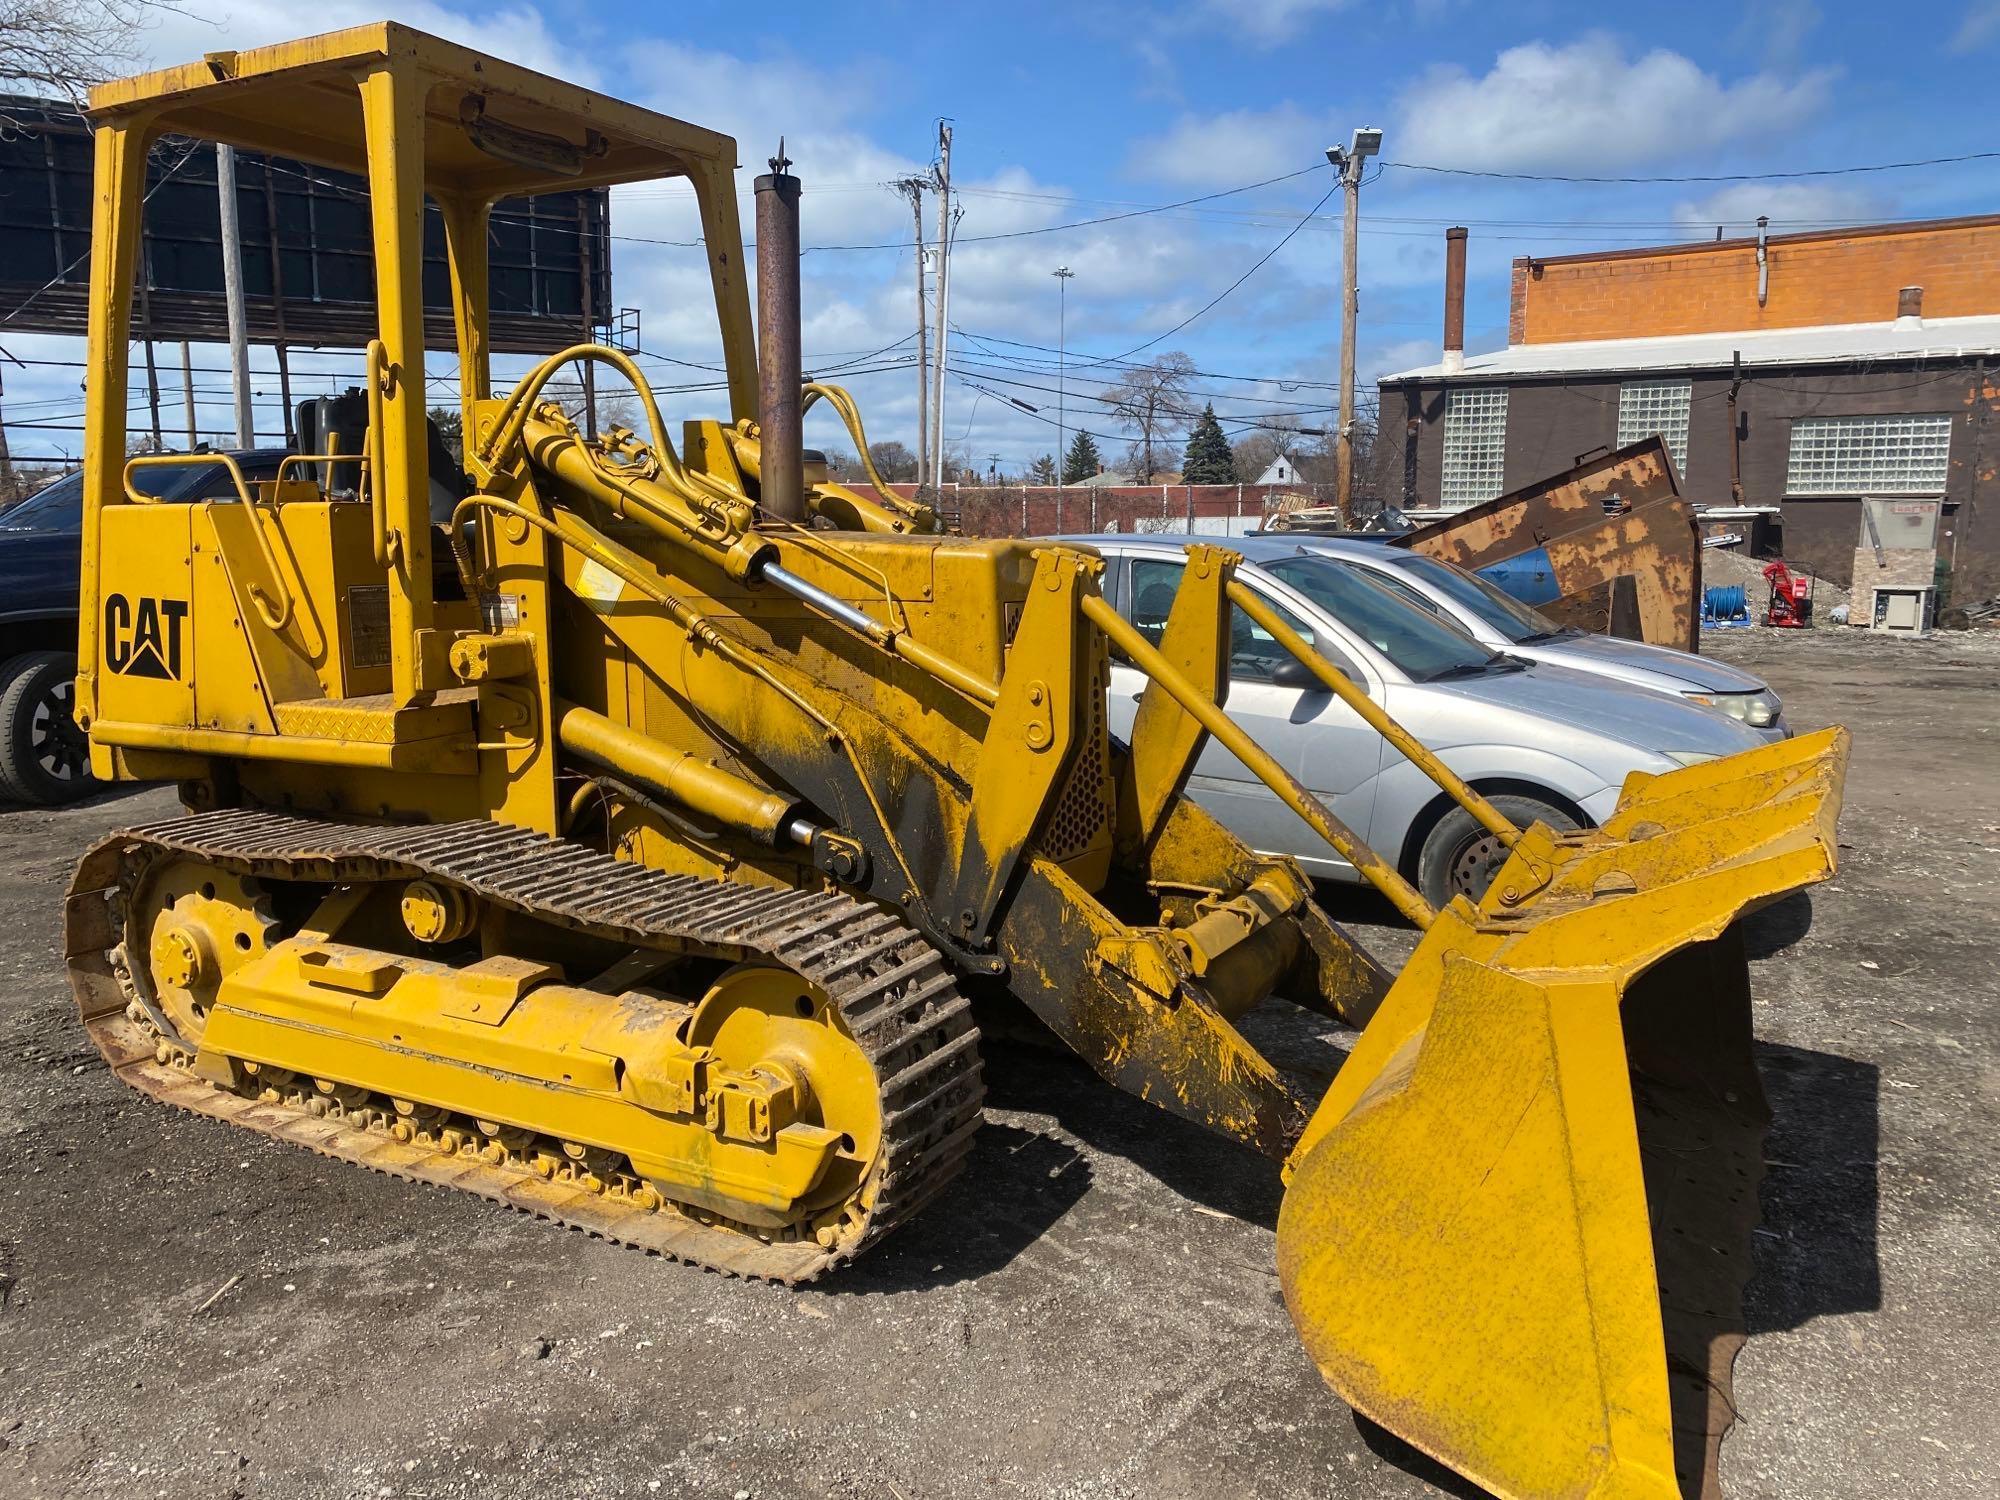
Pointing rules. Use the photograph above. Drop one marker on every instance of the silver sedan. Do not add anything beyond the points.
(1496, 619)
(1543, 742)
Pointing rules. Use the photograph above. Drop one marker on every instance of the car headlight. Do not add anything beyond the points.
(1758, 710)
(1689, 757)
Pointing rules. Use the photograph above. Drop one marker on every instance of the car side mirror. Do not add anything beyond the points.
(1293, 673)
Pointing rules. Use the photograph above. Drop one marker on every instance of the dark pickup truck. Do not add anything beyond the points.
(44, 757)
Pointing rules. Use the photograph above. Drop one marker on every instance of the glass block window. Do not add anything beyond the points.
(1868, 455)
(1646, 407)
(1475, 444)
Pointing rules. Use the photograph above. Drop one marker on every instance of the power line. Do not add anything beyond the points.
(986, 371)
(1236, 423)
(1283, 382)
(547, 227)
(1255, 267)
(1884, 166)
(1136, 213)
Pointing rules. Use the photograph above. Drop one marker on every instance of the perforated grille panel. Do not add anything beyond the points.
(1081, 817)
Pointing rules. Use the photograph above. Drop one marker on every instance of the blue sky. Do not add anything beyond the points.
(1066, 112)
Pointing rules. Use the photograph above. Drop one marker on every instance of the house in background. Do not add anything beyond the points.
(1860, 364)
(1280, 470)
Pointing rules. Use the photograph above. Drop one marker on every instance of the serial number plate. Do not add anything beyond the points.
(368, 625)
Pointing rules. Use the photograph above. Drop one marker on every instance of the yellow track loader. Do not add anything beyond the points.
(625, 839)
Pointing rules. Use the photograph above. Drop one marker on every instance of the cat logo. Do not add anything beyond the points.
(144, 639)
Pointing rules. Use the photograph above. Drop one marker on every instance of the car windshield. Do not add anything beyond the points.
(202, 479)
(56, 508)
(59, 507)
(1515, 621)
(1423, 648)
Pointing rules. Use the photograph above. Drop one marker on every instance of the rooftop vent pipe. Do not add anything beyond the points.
(1454, 301)
(1763, 258)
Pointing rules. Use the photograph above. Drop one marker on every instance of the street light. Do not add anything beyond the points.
(1364, 143)
(1062, 275)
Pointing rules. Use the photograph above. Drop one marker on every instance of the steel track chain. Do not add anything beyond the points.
(898, 999)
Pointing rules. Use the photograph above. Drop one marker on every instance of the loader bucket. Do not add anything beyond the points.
(1517, 1227)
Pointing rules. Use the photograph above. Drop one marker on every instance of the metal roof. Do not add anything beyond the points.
(1826, 344)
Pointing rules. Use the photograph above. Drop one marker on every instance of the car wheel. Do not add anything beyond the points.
(1460, 858)
(44, 757)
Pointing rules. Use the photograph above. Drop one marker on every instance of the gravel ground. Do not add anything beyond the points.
(1090, 1311)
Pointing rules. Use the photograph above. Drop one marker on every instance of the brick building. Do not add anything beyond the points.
(1864, 363)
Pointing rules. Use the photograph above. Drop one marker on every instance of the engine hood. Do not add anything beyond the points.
(1590, 704)
(1698, 674)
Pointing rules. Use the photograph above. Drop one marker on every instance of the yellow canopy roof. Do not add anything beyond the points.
(492, 129)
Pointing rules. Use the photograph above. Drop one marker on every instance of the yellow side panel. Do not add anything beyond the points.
(245, 665)
(230, 691)
(146, 643)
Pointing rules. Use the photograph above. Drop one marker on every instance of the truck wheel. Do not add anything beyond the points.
(44, 757)
(1460, 858)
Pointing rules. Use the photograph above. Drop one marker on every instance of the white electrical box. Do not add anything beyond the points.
(1901, 611)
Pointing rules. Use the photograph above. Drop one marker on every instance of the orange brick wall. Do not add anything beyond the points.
(1836, 276)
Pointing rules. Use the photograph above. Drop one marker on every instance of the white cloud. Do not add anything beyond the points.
(1401, 354)
(1588, 107)
(1777, 29)
(1979, 25)
(754, 99)
(1236, 146)
(516, 32)
(1789, 205)
(1268, 23)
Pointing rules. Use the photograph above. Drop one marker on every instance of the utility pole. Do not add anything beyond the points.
(152, 368)
(278, 305)
(943, 179)
(10, 484)
(1350, 159)
(1062, 275)
(913, 188)
(583, 281)
(232, 291)
(187, 393)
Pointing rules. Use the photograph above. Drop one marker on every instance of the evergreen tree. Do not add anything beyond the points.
(1043, 470)
(1208, 459)
(1083, 460)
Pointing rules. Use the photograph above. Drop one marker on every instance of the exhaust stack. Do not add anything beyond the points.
(1454, 300)
(780, 433)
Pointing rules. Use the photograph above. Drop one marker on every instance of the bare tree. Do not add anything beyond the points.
(893, 461)
(958, 467)
(1153, 399)
(61, 47)
(617, 403)
(1274, 438)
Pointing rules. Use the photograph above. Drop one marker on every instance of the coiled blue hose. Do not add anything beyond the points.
(1724, 602)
